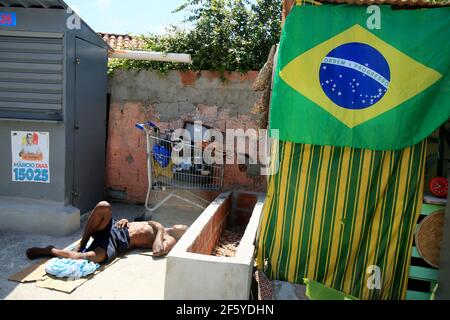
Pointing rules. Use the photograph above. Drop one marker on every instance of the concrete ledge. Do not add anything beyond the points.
(192, 273)
(38, 217)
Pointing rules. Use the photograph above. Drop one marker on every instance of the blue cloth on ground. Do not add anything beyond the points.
(69, 268)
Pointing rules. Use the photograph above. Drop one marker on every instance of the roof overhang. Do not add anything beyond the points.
(38, 4)
(45, 4)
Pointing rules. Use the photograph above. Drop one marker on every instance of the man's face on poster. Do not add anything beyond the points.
(29, 139)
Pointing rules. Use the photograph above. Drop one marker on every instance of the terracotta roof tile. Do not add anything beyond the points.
(122, 41)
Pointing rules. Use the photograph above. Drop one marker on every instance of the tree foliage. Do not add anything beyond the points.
(225, 35)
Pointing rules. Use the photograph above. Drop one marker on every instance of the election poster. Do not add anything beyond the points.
(30, 156)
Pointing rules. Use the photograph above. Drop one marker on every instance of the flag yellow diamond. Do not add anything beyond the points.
(408, 77)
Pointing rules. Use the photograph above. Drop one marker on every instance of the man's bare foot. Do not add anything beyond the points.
(35, 253)
(77, 248)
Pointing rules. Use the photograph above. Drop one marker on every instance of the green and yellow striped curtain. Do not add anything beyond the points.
(333, 212)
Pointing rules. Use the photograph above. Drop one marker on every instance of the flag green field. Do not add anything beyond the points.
(340, 84)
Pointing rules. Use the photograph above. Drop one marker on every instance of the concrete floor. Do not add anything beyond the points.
(134, 277)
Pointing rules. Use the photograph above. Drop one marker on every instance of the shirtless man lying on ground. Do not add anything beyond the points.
(113, 238)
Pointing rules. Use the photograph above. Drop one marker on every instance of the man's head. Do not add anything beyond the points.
(177, 231)
(29, 138)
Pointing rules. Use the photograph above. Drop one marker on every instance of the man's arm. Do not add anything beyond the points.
(163, 242)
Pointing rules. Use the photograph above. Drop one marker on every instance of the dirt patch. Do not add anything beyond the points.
(229, 242)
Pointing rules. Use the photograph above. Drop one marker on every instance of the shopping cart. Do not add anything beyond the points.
(175, 164)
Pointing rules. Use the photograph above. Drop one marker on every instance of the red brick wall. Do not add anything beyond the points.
(244, 204)
(235, 211)
(209, 237)
(130, 104)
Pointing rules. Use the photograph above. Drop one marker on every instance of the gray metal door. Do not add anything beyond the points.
(90, 125)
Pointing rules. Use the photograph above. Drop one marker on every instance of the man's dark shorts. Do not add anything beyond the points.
(113, 240)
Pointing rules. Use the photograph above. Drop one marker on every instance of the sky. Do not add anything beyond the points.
(130, 16)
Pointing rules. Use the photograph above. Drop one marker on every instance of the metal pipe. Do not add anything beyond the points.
(151, 56)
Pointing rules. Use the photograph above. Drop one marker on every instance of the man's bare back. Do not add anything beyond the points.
(145, 235)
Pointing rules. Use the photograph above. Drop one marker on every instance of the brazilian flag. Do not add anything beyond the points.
(349, 78)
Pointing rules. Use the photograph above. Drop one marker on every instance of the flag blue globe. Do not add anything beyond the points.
(355, 76)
